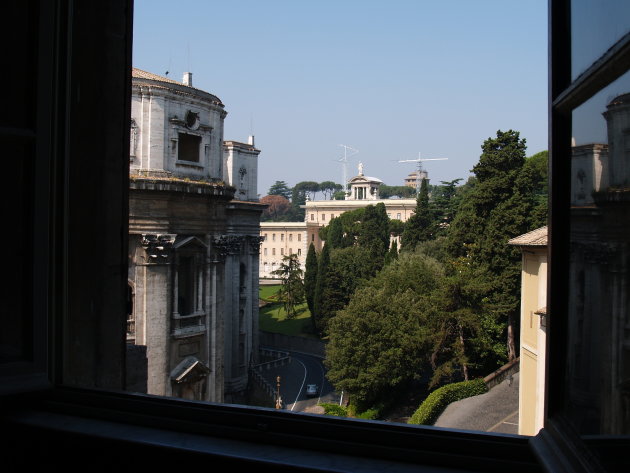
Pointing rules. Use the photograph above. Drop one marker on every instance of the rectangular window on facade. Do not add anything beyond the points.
(323, 216)
(264, 251)
(299, 251)
(282, 237)
(273, 237)
(299, 237)
(290, 251)
(281, 251)
(290, 236)
(398, 216)
(312, 237)
(188, 149)
(265, 237)
(273, 252)
(312, 216)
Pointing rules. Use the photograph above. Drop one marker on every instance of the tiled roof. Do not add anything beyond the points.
(140, 74)
(536, 237)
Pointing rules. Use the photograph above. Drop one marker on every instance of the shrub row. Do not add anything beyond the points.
(334, 409)
(337, 410)
(436, 402)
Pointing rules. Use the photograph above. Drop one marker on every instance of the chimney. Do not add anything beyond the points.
(250, 140)
(188, 79)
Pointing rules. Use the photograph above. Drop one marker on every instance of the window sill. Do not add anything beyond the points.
(120, 428)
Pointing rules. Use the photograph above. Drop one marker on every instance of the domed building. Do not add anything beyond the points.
(194, 236)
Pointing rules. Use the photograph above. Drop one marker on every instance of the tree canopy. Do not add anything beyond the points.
(278, 208)
(280, 188)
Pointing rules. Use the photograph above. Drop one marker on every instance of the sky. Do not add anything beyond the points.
(395, 79)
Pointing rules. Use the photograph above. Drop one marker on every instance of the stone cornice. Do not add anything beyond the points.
(148, 87)
(174, 184)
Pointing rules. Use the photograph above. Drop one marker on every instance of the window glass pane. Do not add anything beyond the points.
(598, 374)
(595, 27)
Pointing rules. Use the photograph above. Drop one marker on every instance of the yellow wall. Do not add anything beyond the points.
(533, 339)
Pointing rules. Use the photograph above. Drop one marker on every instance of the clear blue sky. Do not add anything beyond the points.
(390, 78)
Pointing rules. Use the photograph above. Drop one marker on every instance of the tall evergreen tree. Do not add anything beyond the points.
(392, 254)
(322, 281)
(421, 225)
(310, 279)
(492, 213)
(334, 234)
(373, 234)
(292, 291)
(280, 188)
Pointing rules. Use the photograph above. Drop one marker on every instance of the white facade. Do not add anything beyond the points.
(281, 239)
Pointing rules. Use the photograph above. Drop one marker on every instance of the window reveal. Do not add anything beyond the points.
(188, 148)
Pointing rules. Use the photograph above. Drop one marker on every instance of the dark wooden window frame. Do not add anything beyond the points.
(51, 421)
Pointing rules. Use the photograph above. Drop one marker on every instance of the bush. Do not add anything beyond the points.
(334, 410)
(436, 402)
(370, 414)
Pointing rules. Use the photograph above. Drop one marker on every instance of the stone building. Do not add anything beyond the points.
(194, 239)
(414, 178)
(281, 239)
(284, 238)
(363, 191)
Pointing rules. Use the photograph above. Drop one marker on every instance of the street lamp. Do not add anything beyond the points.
(278, 398)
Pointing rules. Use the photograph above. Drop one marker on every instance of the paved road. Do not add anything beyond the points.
(495, 411)
(294, 376)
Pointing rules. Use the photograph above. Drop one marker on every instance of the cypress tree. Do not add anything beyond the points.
(421, 225)
(318, 297)
(334, 234)
(310, 278)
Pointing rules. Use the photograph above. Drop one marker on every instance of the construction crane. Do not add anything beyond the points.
(344, 161)
(419, 169)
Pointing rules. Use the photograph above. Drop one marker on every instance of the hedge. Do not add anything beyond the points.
(436, 402)
(334, 410)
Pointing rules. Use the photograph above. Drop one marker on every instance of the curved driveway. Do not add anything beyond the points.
(303, 369)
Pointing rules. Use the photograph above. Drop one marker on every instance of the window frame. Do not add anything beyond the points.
(43, 420)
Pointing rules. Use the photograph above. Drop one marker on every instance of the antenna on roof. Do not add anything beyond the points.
(169, 67)
(420, 171)
(344, 161)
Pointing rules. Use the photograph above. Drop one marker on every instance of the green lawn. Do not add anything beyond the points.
(273, 317)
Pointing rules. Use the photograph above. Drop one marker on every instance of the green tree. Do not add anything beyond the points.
(292, 291)
(382, 338)
(308, 188)
(328, 188)
(334, 235)
(421, 225)
(396, 227)
(320, 288)
(392, 254)
(456, 324)
(373, 233)
(444, 203)
(494, 211)
(404, 192)
(280, 188)
(310, 279)
(298, 198)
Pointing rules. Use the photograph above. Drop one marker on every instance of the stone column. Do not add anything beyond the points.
(157, 285)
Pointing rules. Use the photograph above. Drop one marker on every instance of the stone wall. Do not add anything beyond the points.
(279, 341)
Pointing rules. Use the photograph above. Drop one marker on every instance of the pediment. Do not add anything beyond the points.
(190, 369)
(189, 242)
